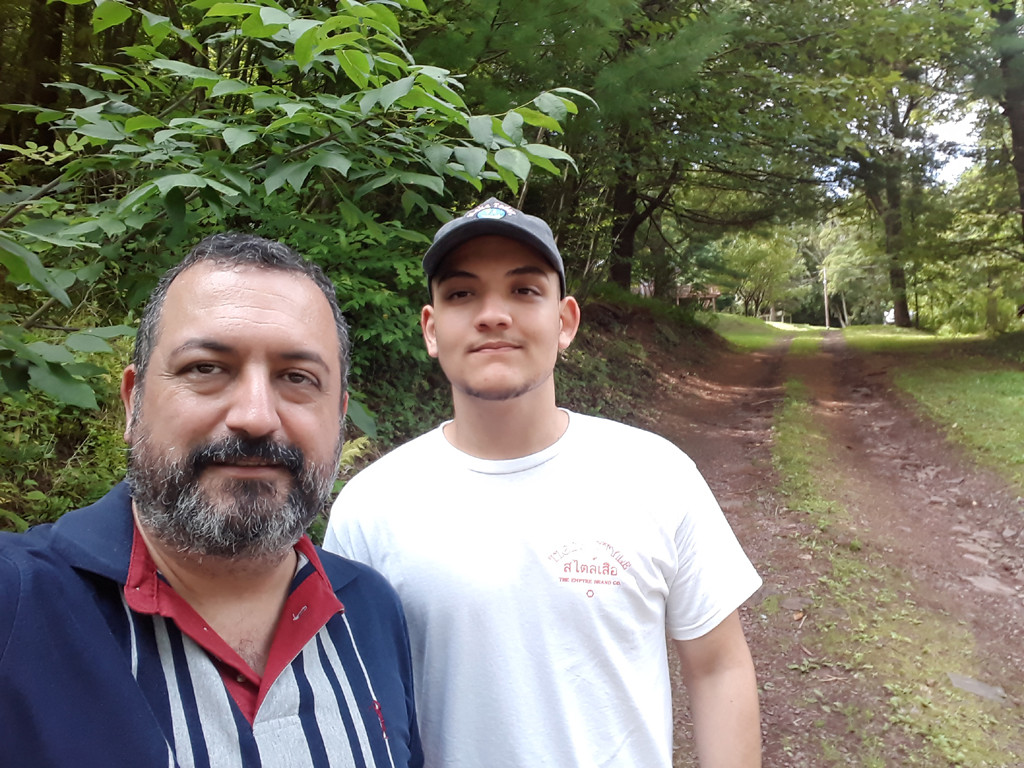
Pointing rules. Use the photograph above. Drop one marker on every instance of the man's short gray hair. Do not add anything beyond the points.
(235, 249)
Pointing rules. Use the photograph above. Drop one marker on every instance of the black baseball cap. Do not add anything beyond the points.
(493, 217)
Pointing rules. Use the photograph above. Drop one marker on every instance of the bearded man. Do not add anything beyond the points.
(185, 619)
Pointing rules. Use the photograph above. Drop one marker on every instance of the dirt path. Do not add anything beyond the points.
(913, 502)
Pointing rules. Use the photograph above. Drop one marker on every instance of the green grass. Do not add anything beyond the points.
(751, 333)
(979, 403)
(870, 633)
(888, 339)
(972, 386)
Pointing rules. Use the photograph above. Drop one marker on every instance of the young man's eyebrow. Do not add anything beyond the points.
(528, 269)
(452, 274)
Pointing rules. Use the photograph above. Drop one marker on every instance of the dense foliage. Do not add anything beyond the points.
(782, 155)
(312, 126)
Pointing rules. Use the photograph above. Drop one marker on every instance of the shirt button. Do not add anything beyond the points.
(240, 678)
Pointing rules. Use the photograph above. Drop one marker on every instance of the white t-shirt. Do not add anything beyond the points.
(539, 590)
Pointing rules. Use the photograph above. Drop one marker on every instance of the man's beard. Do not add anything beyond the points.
(252, 518)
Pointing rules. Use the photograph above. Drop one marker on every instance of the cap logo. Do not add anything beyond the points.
(491, 209)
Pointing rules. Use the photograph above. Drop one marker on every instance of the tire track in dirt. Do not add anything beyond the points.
(952, 527)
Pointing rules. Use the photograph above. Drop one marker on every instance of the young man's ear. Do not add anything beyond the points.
(427, 326)
(569, 321)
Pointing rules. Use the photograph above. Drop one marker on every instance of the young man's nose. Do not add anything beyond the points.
(494, 312)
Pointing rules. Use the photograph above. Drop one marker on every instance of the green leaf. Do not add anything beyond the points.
(253, 26)
(25, 267)
(438, 156)
(112, 331)
(552, 153)
(232, 9)
(361, 417)
(166, 183)
(375, 183)
(569, 104)
(213, 125)
(101, 130)
(19, 523)
(391, 92)
(508, 178)
(86, 341)
(433, 183)
(185, 70)
(238, 179)
(551, 105)
(90, 273)
(512, 125)
(333, 160)
(142, 123)
(418, 98)
(513, 160)
(275, 16)
(51, 353)
(61, 386)
(156, 27)
(57, 232)
(84, 370)
(293, 173)
(305, 46)
(297, 174)
(473, 159)
(539, 119)
(411, 200)
(48, 116)
(229, 86)
(109, 13)
(356, 66)
(481, 128)
(277, 176)
(236, 138)
(135, 198)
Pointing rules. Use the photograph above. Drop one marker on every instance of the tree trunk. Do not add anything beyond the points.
(81, 47)
(43, 57)
(624, 200)
(1012, 97)
(883, 186)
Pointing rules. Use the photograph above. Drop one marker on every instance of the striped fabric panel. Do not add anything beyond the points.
(320, 712)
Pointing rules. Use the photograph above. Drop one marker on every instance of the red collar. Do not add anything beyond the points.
(310, 605)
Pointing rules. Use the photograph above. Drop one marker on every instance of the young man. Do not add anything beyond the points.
(541, 555)
(185, 619)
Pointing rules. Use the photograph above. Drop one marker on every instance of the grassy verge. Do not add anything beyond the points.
(972, 387)
(884, 657)
(746, 333)
(751, 334)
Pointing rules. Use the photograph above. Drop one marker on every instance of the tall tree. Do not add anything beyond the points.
(1007, 42)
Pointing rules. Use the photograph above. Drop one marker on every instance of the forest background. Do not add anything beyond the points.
(779, 159)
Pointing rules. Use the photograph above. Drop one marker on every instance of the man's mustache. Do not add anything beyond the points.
(236, 450)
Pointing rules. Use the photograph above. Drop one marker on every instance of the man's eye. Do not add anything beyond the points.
(452, 295)
(297, 377)
(204, 368)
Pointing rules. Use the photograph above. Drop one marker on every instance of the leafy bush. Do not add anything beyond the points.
(57, 457)
(309, 125)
